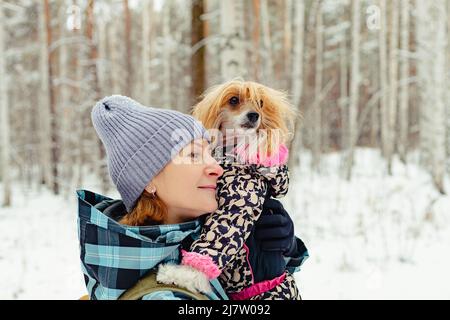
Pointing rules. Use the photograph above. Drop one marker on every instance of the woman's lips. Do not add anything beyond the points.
(208, 187)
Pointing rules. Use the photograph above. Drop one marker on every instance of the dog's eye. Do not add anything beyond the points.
(261, 103)
(234, 101)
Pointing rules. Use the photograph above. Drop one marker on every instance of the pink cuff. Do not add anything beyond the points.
(200, 262)
(257, 288)
(276, 159)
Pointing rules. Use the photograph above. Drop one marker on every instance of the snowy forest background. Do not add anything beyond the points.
(370, 158)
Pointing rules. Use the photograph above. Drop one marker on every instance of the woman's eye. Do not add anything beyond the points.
(234, 101)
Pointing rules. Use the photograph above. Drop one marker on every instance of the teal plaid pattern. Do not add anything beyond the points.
(115, 256)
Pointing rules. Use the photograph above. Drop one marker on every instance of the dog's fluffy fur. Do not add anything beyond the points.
(276, 115)
(183, 276)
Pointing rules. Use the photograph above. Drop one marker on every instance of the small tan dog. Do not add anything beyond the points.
(251, 123)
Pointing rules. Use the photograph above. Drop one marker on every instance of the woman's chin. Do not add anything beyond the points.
(211, 208)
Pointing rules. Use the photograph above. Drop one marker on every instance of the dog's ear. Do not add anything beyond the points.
(281, 101)
(279, 117)
(207, 111)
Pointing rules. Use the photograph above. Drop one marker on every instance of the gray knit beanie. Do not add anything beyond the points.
(140, 141)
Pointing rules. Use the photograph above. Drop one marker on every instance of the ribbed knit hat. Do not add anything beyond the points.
(140, 141)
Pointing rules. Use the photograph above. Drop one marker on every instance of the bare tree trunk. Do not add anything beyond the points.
(432, 42)
(287, 44)
(343, 100)
(448, 86)
(375, 110)
(93, 53)
(101, 166)
(232, 54)
(198, 68)
(77, 99)
(354, 86)
(102, 66)
(54, 139)
(404, 74)
(256, 39)
(65, 109)
(4, 116)
(393, 83)
(129, 66)
(44, 101)
(114, 59)
(297, 81)
(147, 15)
(317, 112)
(267, 44)
(385, 136)
(167, 55)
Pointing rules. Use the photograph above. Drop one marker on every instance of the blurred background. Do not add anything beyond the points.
(369, 161)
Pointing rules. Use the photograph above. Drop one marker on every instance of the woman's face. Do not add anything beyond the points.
(187, 185)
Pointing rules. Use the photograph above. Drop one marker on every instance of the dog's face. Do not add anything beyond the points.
(246, 108)
(241, 114)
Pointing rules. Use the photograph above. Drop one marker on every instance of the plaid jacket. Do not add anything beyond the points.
(114, 256)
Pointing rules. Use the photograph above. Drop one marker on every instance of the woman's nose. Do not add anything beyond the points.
(213, 168)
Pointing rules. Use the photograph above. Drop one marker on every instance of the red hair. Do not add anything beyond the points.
(149, 210)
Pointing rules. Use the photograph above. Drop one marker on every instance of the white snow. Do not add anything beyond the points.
(39, 255)
(376, 237)
(39, 249)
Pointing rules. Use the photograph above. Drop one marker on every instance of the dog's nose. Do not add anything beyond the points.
(253, 116)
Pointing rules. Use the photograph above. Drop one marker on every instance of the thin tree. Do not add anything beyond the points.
(44, 100)
(102, 62)
(448, 86)
(114, 58)
(4, 116)
(54, 137)
(393, 83)
(128, 50)
(232, 55)
(432, 41)
(93, 52)
(256, 35)
(385, 136)
(404, 88)
(94, 95)
(147, 14)
(77, 99)
(318, 86)
(343, 87)
(354, 87)
(167, 54)
(198, 67)
(268, 66)
(287, 41)
(297, 80)
(375, 109)
(64, 103)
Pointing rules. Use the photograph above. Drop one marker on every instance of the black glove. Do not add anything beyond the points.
(266, 265)
(274, 230)
(271, 239)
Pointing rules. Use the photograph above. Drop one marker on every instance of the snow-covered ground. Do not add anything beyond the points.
(376, 237)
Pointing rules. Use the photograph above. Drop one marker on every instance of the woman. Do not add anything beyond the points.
(160, 162)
